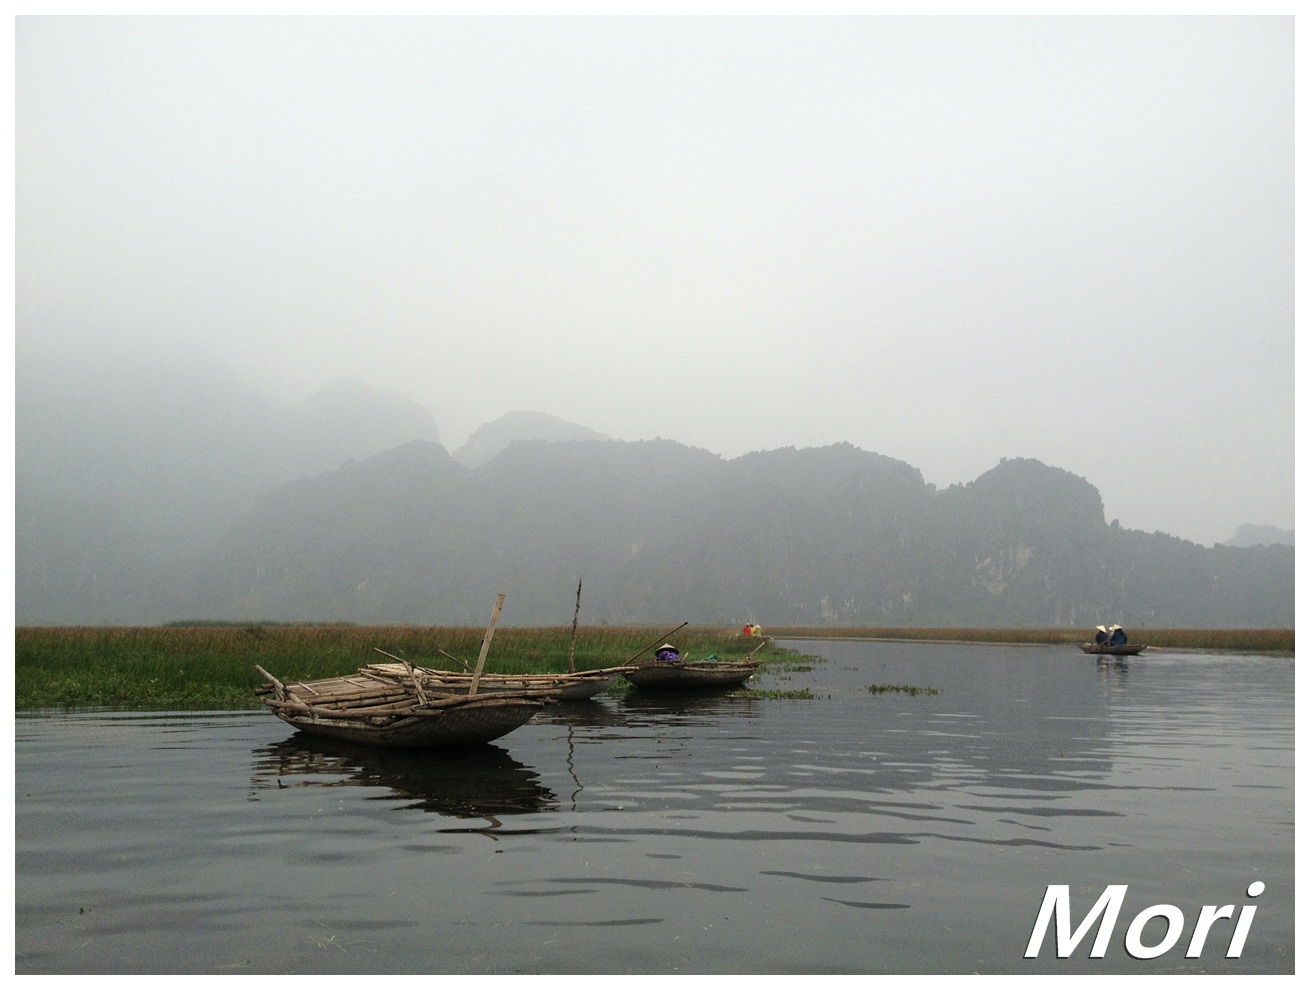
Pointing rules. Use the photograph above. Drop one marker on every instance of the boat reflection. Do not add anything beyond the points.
(483, 782)
(681, 704)
(591, 713)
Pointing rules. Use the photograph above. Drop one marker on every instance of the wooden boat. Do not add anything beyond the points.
(1105, 649)
(563, 687)
(377, 710)
(691, 676)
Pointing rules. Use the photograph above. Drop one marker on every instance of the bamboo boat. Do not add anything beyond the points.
(573, 686)
(562, 687)
(1105, 649)
(691, 676)
(377, 710)
(392, 707)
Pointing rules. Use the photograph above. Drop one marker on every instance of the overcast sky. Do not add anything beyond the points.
(946, 240)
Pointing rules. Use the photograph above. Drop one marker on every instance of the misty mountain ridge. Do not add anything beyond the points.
(491, 438)
(1254, 536)
(126, 467)
(662, 532)
(178, 490)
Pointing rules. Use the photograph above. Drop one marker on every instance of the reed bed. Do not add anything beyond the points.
(1272, 641)
(214, 666)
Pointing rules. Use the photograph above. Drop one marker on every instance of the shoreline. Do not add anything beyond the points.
(194, 667)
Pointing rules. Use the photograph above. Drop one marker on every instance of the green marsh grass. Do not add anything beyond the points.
(214, 666)
(799, 694)
(909, 689)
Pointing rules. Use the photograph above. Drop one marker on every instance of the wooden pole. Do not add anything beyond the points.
(656, 643)
(576, 609)
(486, 644)
(757, 649)
(425, 669)
(418, 686)
(456, 659)
(277, 685)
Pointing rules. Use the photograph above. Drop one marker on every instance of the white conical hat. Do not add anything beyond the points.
(1102, 629)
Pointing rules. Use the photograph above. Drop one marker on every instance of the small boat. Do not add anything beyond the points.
(375, 710)
(563, 687)
(691, 676)
(1105, 649)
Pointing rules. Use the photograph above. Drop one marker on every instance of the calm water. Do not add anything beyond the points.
(853, 833)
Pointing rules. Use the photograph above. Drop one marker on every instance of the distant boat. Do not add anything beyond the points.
(1105, 649)
(691, 676)
(380, 711)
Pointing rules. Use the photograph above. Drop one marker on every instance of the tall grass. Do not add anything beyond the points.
(1275, 641)
(215, 665)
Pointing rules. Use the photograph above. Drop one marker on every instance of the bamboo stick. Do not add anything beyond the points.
(376, 674)
(405, 707)
(355, 697)
(488, 701)
(757, 649)
(426, 670)
(332, 713)
(418, 688)
(277, 685)
(456, 659)
(342, 688)
(664, 637)
(486, 644)
(384, 666)
(576, 609)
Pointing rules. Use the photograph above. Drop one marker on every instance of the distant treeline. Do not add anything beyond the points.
(246, 623)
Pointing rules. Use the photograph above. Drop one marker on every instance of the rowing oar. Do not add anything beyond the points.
(660, 640)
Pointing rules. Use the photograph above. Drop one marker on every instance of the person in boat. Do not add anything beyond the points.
(746, 629)
(1102, 636)
(756, 630)
(1117, 636)
(667, 654)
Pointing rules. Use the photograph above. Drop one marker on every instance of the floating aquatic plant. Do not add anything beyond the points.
(902, 689)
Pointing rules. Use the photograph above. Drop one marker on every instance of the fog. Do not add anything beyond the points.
(946, 240)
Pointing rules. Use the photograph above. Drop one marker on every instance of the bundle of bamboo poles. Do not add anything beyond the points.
(370, 693)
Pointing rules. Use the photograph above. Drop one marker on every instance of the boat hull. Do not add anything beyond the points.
(370, 709)
(472, 724)
(1103, 649)
(691, 676)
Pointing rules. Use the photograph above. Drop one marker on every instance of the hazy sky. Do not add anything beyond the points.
(947, 240)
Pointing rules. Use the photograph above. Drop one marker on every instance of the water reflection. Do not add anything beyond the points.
(483, 782)
(851, 831)
(678, 705)
(593, 712)
(1112, 677)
